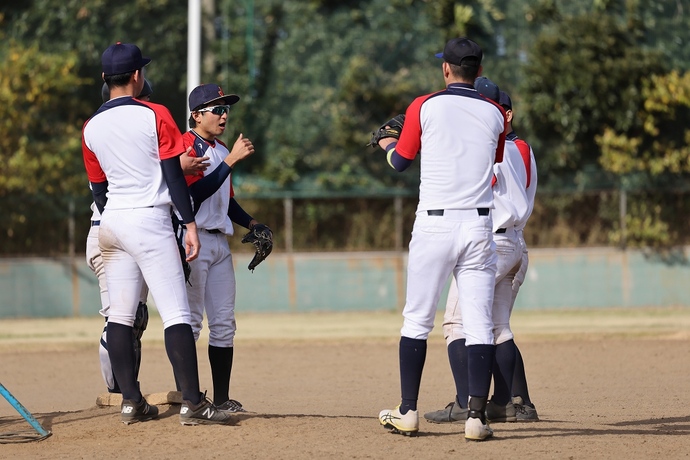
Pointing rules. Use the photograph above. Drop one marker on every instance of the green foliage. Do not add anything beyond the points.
(572, 219)
(351, 224)
(158, 27)
(40, 137)
(660, 141)
(584, 74)
(655, 150)
(589, 80)
(39, 132)
(325, 79)
(654, 219)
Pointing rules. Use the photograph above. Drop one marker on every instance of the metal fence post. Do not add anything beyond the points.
(292, 288)
(623, 209)
(72, 259)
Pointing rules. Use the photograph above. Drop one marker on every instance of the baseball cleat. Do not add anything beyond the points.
(204, 413)
(451, 414)
(498, 413)
(232, 406)
(131, 412)
(407, 424)
(524, 412)
(476, 430)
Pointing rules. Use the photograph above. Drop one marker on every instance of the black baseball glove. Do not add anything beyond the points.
(186, 268)
(391, 128)
(262, 238)
(178, 228)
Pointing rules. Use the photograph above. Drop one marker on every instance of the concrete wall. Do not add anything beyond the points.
(564, 278)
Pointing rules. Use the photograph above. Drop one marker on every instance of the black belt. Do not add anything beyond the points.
(95, 223)
(501, 230)
(439, 212)
(213, 230)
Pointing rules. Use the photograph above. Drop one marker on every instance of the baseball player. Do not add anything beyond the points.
(211, 287)
(131, 152)
(94, 260)
(458, 135)
(524, 408)
(514, 190)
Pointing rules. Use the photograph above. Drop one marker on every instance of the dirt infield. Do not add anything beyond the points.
(607, 384)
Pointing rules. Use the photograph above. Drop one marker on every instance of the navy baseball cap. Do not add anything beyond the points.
(209, 93)
(462, 50)
(487, 88)
(105, 92)
(122, 58)
(504, 101)
(146, 91)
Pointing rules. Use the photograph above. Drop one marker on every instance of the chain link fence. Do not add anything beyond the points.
(310, 223)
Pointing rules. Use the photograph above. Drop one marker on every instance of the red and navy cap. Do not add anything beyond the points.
(122, 58)
(146, 91)
(504, 101)
(209, 93)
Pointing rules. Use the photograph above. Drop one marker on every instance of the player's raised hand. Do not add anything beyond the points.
(191, 164)
(242, 148)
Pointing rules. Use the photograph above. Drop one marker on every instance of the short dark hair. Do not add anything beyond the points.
(120, 79)
(192, 121)
(466, 73)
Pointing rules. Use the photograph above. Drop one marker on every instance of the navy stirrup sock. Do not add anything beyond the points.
(503, 370)
(221, 367)
(412, 357)
(123, 359)
(520, 379)
(457, 356)
(181, 349)
(480, 361)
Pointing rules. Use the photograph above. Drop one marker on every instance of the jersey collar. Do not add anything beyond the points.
(461, 86)
(211, 143)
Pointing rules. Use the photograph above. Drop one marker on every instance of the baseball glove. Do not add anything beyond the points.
(391, 128)
(178, 228)
(262, 238)
(186, 268)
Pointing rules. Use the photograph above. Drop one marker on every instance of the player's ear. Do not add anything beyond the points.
(446, 69)
(509, 116)
(479, 74)
(196, 116)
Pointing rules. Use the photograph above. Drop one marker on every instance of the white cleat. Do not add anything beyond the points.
(475, 430)
(407, 424)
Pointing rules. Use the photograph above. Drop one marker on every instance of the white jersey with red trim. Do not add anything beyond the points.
(511, 203)
(212, 214)
(530, 163)
(459, 135)
(131, 163)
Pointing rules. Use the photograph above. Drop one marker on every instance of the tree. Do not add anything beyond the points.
(326, 76)
(40, 138)
(583, 74)
(659, 143)
(88, 27)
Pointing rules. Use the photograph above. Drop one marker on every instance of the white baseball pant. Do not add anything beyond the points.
(95, 262)
(510, 256)
(139, 248)
(459, 242)
(213, 290)
(522, 272)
